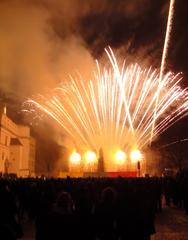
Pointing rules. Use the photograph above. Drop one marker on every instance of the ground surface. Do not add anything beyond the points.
(29, 230)
(171, 224)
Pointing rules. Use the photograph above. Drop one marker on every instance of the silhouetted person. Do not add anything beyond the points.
(10, 229)
(59, 224)
(105, 215)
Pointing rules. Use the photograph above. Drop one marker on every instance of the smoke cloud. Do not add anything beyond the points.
(44, 41)
(32, 56)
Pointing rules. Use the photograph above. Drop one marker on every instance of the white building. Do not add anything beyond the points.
(17, 148)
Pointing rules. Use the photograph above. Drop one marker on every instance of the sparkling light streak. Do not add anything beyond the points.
(164, 57)
(172, 143)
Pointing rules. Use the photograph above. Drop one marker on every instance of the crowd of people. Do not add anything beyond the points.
(87, 208)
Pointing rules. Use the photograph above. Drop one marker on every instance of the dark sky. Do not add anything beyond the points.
(42, 41)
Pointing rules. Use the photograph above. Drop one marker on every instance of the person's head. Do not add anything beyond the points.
(65, 202)
(108, 195)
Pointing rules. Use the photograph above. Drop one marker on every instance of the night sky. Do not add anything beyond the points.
(42, 41)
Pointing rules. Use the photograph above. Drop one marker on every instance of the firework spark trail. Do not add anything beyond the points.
(164, 57)
(119, 76)
(172, 143)
(116, 108)
(167, 38)
(173, 117)
(166, 101)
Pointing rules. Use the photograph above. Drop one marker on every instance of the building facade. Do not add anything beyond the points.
(17, 148)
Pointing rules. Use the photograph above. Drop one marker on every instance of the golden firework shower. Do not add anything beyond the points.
(116, 108)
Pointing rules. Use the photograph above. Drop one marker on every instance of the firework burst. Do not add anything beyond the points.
(117, 107)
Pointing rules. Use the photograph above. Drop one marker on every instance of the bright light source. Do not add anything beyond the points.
(75, 158)
(90, 156)
(136, 155)
(120, 157)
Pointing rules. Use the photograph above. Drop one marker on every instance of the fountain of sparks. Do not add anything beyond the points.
(120, 108)
(116, 109)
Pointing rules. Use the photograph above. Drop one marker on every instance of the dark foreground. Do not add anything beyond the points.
(105, 209)
(171, 224)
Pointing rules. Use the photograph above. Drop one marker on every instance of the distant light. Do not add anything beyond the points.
(136, 155)
(5, 110)
(120, 157)
(90, 156)
(75, 158)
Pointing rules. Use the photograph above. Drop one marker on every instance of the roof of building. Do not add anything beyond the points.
(15, 141)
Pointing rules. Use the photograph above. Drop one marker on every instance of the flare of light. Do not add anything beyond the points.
(136, 155)
(90, 157)
(75, 158)
(120, 157)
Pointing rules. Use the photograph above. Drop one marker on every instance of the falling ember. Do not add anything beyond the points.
(116, 108)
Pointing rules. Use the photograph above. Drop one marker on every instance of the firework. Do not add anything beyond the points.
(121, 110)
(164, 57)
(116, 109)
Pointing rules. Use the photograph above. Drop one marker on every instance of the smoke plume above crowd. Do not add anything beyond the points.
(42, 42)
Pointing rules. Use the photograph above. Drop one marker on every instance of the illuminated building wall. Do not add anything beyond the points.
(17, 148)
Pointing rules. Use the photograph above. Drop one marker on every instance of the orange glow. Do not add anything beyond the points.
(136, 155)
(90, 157)
(75, 158)
(120, 157)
